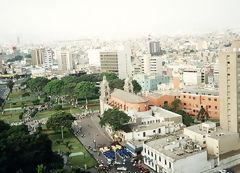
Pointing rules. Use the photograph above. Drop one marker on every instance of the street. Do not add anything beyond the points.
(93, 136)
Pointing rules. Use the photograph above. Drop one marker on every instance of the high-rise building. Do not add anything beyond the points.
(154, 48)
(37, 57)
(229, 88)
(109, 61)
(151, 64)
(93, 57)
(64, 59)
(47, 58)
(118, 62)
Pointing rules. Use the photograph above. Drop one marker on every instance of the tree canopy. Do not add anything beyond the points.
(109, 76)
(202, 115)
(60, 119)
(84, 89)
(37, 84)
(54, 87)
(116, 83)
(22, 151)
(115, 118)
(16, 58)
(136, 87)
(175, 107)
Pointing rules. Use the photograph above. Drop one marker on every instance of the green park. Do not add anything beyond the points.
(57, 101)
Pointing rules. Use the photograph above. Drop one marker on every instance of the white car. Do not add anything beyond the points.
(117, 163)
(121, 169)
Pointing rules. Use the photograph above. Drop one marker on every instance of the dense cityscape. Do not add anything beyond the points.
(165, 103)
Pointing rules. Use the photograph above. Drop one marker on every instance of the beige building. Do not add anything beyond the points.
(37, 57)
(229, 88)
(64, 59)
(109, 62)
(118, 62)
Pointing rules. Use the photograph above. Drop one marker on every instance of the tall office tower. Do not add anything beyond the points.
(229, 87)
(37, 57)
(47, 58)
(64, 59)
(118, 62)
(154, 48)
(109, 61)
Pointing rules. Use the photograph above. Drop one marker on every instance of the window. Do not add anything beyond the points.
(184, 104)
(215, 107)
(209, 99)
(165, 162)
(184, 96)
(152, 154)
(170, 165)
(193, 98)
(215, 100)
(159, 130)
(159, 159)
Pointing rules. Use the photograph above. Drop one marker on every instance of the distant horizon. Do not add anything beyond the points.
(56, 20)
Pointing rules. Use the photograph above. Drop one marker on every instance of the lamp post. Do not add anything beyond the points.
(62, 131)
(95, 144)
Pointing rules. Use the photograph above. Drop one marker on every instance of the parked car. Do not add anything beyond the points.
(121, 169)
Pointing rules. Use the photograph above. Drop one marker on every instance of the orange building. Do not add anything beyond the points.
(158, 99)
(191, 102)
(124, 101)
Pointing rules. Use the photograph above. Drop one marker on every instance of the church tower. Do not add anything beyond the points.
(128, 86)
(105, 94)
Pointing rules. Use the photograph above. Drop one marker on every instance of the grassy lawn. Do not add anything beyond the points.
(10, 116)
(76, 147)
(15, 99)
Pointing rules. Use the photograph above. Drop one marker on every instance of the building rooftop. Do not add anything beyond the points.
(210, 131)
(128, 97)
(201, 91)
(156, 112)
(158, 94)
(139, 128)
(176, 147)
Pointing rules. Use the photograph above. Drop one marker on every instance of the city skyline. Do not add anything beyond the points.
(58, 20)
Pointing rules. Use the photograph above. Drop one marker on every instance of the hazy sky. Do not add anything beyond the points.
(73, 19)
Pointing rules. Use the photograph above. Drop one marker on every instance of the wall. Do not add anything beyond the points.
(115, 102)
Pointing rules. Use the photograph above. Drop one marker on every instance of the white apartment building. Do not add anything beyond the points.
(47, 58)
(94, 57)
(151, 64)
(147, 124)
